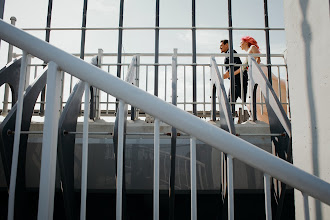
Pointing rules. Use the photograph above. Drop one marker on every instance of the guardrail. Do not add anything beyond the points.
(58, 60)
(106, 103)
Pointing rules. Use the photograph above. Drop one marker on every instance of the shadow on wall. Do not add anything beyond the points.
(307, 36)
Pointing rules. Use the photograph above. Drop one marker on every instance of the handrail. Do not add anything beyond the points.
(270, 93)
(226, 119)
(170, 114)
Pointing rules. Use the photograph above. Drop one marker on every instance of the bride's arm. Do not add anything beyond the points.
(254, 49)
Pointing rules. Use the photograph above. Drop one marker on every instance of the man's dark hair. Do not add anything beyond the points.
(224, 41)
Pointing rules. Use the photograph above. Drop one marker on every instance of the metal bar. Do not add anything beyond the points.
(231, 58)
(153, 28)
(173, 138)
(83, 31)
(2, 8)
(209, 134)
(49, 18)
(47, 38)
(267, 41)
(184, 88)
(120, 37)
(165, 82)
(204, 109)
(156, 169)
(62, 91)
(146, 78)
(306, 206)
(18, 122)
(9, 59)
(230, 187)
(279, 84)
(268, 204)
(156, 48)
(84, 155)
(193, 178)
(194, 56)
(119, 192)
(98, 92)
(49, 144)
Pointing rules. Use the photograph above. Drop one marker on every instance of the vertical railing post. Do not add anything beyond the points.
(231, 57)
(193, 178)
(98, 106)
(84, 167)
(173, 138)
(47, 38)
(268, 205)
(267, 42)
(230, 187)
(49, 143)
(119, 192)
(156, 48)
(9, 59)
(17, 136)
(156, 169)
(194, 60)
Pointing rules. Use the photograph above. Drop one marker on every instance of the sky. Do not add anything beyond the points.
(173, 13)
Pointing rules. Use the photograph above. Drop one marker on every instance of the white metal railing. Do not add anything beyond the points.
(106, 103)
(237, 148)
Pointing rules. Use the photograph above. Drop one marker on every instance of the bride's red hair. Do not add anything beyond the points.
(250, 41)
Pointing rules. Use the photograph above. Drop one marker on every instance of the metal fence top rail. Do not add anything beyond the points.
(169, 114)
(151, 28)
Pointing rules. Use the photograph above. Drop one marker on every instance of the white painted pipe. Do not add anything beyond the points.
(120, 160)
(49, 143)
(84, 165)
(230, 178)
(268, 204)
(18, 122)
(156, 169)
(193, 178)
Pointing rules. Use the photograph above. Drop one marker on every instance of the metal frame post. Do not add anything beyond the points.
(120, 37)
(12, 186)
(268, 204)
(83, 31)
(231, 57)
(230, 187)
(194, 57)
(173, 138)
(193, 178)
(49, 18)
(97, 95)
(269, 68)
(2, 9)
(49, 143)
(156, 169)
(9, 59)
(120, 159)
(156, 49)
(47, 38)
(84, 165)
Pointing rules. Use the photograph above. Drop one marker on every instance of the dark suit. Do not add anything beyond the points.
(237, 60)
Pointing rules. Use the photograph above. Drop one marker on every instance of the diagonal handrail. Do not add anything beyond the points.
(170, 114)
(226, 118)
(267, 90)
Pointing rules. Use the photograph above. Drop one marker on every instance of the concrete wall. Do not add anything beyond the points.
(307, 24)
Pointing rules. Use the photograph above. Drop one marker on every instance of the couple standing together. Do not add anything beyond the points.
(250, 45)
